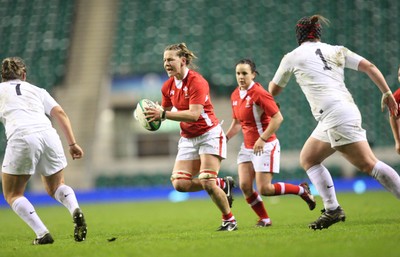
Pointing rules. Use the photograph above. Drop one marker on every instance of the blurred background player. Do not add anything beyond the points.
(202, 145)
(319, 70)
(33, 145)
(395, 119)
(256, 114)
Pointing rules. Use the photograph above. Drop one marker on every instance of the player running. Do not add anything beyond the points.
(202, 145)
(256, 114)
(319, 70)
(33, 145)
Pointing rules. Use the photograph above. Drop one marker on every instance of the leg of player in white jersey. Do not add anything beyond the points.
(13, 190)
(362, 157)
(66, 196)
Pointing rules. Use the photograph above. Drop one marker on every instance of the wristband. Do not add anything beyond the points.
(72, 144)
(384, 97)
(263, 139)
(387, 94)
(164, 113)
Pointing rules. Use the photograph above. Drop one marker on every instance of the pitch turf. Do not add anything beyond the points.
(158, 229)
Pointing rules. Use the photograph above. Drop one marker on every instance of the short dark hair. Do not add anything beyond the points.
(250, 63)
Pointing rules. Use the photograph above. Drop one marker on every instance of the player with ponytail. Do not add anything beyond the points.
(319, 71)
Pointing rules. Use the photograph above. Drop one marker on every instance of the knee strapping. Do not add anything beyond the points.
(181, 174)
(208, 174)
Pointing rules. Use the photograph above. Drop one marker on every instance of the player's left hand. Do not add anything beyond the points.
(390, 102)
(153, 114)
(75, 151)
(258, 147)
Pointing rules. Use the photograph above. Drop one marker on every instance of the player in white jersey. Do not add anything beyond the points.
(319, 70)
(33, 145)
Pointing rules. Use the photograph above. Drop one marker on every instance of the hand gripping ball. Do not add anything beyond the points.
(139, 115)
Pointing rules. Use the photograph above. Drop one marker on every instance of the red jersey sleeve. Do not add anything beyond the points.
(234, 102)
(267, 103)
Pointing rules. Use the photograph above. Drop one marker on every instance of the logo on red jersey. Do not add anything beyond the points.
(185, 90)
(248, 105)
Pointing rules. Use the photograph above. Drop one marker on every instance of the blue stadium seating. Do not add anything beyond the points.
(38, 31)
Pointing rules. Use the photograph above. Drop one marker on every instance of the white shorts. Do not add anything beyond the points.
(37, 152)
(268, 161)
(344, 134)
(213, 142)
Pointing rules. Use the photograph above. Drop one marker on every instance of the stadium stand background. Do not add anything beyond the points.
(77, 49)
(38, 31)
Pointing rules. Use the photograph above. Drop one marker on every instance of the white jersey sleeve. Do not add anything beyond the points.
(48, 102)
(352, 60)
(284, 72)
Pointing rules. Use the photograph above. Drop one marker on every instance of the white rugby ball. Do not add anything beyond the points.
(139, 115)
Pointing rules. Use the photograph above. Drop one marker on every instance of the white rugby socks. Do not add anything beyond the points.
(322, 180)
(66, 196)
(24, 209)
(387, 177)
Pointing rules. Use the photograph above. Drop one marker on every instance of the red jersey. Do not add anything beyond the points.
(194, 89)
(254, 110)
(396, 96)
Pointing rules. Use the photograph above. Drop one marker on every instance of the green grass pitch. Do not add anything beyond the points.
(162, 228)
